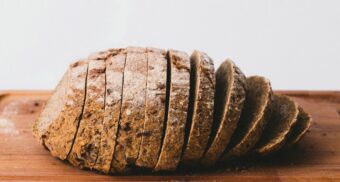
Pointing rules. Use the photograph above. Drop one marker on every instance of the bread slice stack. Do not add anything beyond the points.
(147, 109)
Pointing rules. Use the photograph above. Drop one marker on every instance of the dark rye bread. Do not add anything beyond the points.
(299, 129)
(201, 105)
(57, 124)
(132, 112)
(155, 109)
(177, 99)
(283, 117)
(87, 142)
(115, 63)
(229, 100)
(254, 117)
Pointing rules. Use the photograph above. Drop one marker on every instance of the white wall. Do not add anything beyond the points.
(294, 43)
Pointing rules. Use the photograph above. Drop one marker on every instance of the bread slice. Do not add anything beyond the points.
(57, 124)
(114, 84)
(284, 115)
(87, 142)
(201, 105)
(132, 111)
(254, 117)
(299, 129)
(155, 109)
(177, 99)
(229, 100)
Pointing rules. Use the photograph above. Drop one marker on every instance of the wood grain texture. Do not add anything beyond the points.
(316, 157)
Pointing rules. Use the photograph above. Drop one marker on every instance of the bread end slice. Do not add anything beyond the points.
(283, 118)
(57, 124)
(302, 125)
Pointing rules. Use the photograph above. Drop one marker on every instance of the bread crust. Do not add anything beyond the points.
(200, 115)
(254, 117)
(229, 101)
(132, 111)
(155, 108)
(57, 124)
(302, 125)
(173, 141)
(115, 62)
(283, 118)
(86, 145)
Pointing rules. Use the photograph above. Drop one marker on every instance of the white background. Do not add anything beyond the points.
(296, 44)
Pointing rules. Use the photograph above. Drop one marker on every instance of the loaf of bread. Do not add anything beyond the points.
(146, 109)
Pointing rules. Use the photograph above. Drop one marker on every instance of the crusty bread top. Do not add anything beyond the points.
(114, 82)
(133, 110)
(155, 108)
(87, 141)
(58, 122)
(52, 109)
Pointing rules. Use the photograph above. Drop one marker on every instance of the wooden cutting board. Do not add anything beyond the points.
(316, 157)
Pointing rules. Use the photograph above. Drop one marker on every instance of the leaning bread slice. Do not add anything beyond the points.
(87, 142)
(155, 109)
(132, 111)
(283, 117)
(177, 99)
(57, 124)
(201, 105)
(299, 129)
(254, 117)
(229, 100)
(114, 83)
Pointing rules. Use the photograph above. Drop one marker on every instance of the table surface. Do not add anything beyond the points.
(316, 157)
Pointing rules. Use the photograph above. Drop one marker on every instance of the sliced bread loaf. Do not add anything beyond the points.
(87, 142)
(57, 124)
(299, 129)
(283, 117)
(131, 124)
(254, 117)
(155, 108)
(114, 84)
(229, 100)
(177, 99)
(201, 105)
